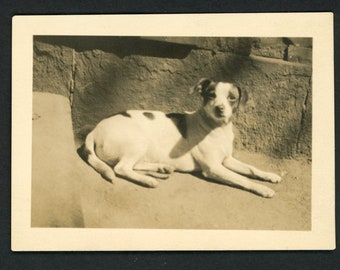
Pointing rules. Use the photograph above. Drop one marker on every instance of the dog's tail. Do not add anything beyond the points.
(88, 154)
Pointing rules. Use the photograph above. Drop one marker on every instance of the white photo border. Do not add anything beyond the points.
(318, 26)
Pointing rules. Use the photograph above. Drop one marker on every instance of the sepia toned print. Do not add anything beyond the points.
(144, 135)
(270, 81)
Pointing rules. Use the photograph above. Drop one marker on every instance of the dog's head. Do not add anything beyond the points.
(221, 99)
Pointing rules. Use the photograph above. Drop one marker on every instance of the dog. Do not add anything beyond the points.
(134, 141)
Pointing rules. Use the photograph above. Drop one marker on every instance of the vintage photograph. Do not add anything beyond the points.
(172, 132)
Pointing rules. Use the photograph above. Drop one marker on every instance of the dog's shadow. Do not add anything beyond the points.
(200, 176)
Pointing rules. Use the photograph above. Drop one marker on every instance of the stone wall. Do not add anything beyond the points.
(105, 75)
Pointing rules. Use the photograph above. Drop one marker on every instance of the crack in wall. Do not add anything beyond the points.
(302, 120)
(73, 77)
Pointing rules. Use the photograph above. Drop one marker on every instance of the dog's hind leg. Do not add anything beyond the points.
(125, 168)
(157, 170)
(105, 170)
(88, 153)
(154, 167)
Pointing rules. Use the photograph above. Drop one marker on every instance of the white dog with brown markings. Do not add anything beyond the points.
(161, 143)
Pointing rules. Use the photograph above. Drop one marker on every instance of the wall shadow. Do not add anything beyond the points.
(121, 46)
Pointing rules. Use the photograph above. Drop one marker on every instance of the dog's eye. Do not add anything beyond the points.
(211, 95)
(231, 98)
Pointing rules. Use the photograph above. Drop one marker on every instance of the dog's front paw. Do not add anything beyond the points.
(265, 192)
(273, 178)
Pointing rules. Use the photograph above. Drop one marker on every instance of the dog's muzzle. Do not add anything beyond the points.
(219, 111)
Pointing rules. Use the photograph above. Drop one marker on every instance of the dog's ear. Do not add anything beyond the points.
(243, 97)
(201, 86)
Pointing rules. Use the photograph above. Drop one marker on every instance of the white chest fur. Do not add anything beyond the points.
(211, 142)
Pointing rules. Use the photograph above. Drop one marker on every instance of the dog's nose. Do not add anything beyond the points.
(220, 108)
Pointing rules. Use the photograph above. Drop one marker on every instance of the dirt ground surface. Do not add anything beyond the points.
(66, 192)
(185, 201)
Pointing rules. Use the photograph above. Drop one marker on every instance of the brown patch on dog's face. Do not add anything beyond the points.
(209, 92)
(234, 97)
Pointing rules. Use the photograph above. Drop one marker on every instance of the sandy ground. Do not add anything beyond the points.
(185, 201)
(66, 192)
